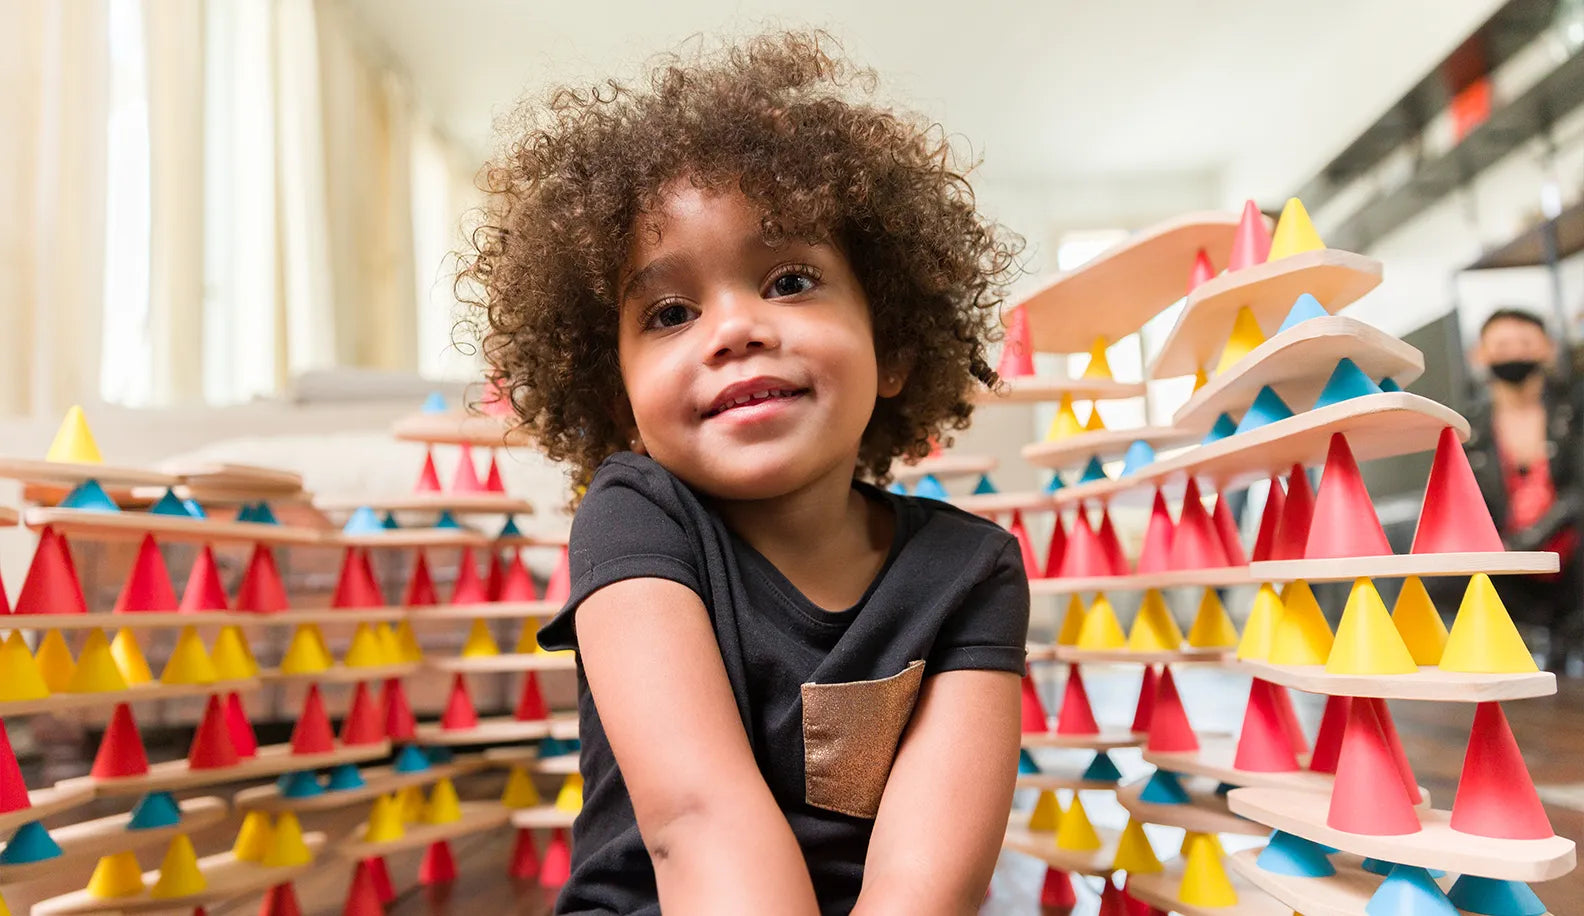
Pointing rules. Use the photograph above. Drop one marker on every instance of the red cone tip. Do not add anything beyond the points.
(518, 584)
(1170, 731)
(420, 586)
(121, 749)
(1368, 795)
(355, 586)
(1085, 557)
(1057, 890)
(524, 864)
(312, 733)
(1076, 717)
(363, 898)
(1495, 795)
(1263, 745)
(51, 585)
(428, 478)
(1034, 720)
(399, 722)
(239, 728)
(556, 867)
(459, 713)
(13, 791)
(438, 866)
(1202, 270)
(1328, 740)
(148, 584)
(1454, 517)
(211, 744)
(559, 587)
(1155, 555)
(1289, 720)
(261, 590)
(1270, 519)
(1056, 551)
(1344, 523)
(280, 900)
(204, 591)
(1297, 511)
(1111, 545)
(382, 878)
(1025, 544)
(1145, 708)
(363, 724)
(1195, 542)
(1251, 244)
(1388, 729)
(465, 479)
(493, 482)
(531, 705)
(469, 588)
(1017, 349)
(1226, 529)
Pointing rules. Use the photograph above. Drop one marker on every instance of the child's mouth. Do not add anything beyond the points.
(739, 397)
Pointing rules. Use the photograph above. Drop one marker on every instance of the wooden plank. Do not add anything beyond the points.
(1070, 776)
(1039, 389)
(1345, 893)
(321, 615)
(343, 674)
(947, 465)
(376, 781)
(1160, 889)
(1335, 278)
(1428, 683)
(139, 693)
(1125, 656)
(44, 802)
(1109, 738)
(262, 480)
(1042, 846)
(410, 538)
(124, 620)
(86, 523)
(1296, 364)
(1141, 582)
(271, 760)
(453, 428)
(490, 610)
(1072, 452)
(477, 816)
(516, 661)
(1397, 566)
(499, 730)
(86, 841)
(1115, 293)
(992, 504)
(71, 473)
(1436, 845)
(543, 817)
(1204, 812)
(456, 503)
(1215, 758)
(8, 516)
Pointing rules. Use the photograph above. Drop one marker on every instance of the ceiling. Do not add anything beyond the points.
(1248, 97)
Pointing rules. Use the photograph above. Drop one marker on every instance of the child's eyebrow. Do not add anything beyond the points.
(639, 280)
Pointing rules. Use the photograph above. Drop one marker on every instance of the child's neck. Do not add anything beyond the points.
(826, 537)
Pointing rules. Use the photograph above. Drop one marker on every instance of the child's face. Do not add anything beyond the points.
(750, 370)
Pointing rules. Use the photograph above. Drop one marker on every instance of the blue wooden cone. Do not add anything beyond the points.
(363, 521)
(1409, 891)
(1164, 788)
(30, 843)
(1347, 381)
(156, 809)
(1026, 764)
(193, 509)
(91, 497)
(1490, 897)
(447, 520)
(1054, 484)
(1290, 855)
(897, 487)
(411, 759)
(300, 784)
(263, 514)
(510, 529)
(984, 487)
(1268, 407)
(439, 754)
(1304, 308)
(434, 403)
(1223, 788)
(1224, 426)
(554, 747)
(1378, 867)
(389, 522)
(1389, 384)
(930, 488)
(343, 777)
(170, 505)
(1139, 453)
(1094, 470)
(1102, 768)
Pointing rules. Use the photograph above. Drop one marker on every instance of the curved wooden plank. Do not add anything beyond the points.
(490, 610)
(1215, 758)
(1141, 582)
(499, 730)
(86, 841)
(1042, 846)
(1110, 738)
(477, 816)
(993, 504)
(947, 465)
(271, 760)
(1039, 389)
(376, 781)
(71, 473)
(44, 802)
(1160, 889)
(1428, 683)
(344, 674)
(454, 428)
(140, 693)
(117, 525)
(516, 661)
(456, 503)
(1071, 452)
(232, 476)
(542, 817)
(1345, 893)
(410, 538)
(1205, 812)
(1124, 656)
(1397, 566)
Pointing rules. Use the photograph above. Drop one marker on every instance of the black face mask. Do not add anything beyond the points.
(1515, 371)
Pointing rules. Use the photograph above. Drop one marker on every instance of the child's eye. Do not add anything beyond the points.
(670, 314)
(794, 280)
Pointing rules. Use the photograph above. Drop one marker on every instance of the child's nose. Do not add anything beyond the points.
(741, 324)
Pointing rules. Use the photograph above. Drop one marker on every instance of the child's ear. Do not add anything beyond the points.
(891, 382)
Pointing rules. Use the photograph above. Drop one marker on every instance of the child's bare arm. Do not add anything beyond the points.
(719, 842)
(944, 812)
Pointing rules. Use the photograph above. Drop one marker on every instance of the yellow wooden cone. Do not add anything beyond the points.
(1246, 335)
(407, 646)
(1418, 623)
(1259, 631)
(178, 874)
(4, 910)
(443, 806)
(96, 668)
(410, 804)
(385, 821)
(55, 661)
(74, 442)
(1095, 424)
(480, 641)
(1134, 853)
(1072, 623)
(365, 651)
(1098, 366)
(1100, 627)
(20, 677)
(1295, 232)
(1212, 626)
(520, 791)
(528, 639)
(1302, 636)
(1483, 638)
(1201, 378)
(389, 645)
(116, 875)
(1073, 830)
(1046, 813)
(189, 662)
(306, 653)
(129, 658)
(1366, 641)
(1065, 423)
(1154, 630)
(286, 847)
(570, 798)
(233, 659)
(253, 839)
(1205, 882)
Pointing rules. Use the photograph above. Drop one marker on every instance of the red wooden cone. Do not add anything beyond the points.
(524, 864)
(438, 866)
(121, 749)
(239, 728)
(51, 585)
(1145, 709)
(363, 723)
(261, 588)
(1133, 906)
(497, 577)
(382, 878)
(1034, 719)
(557, 864)
(370, 581)
(1169, 729)
(1292, 532)
(1116, 560)
(1263, 745)
(1111, 900)
(1085, 556)
(518, 584)
(465, 478)
(1025, 543)
(1344, 522)
(280, 900)
(204, 592)
(5, 606)
(13, 791)
(312, 733)
(1226, 528)
(363, 897)
(420, 586)
(1195, 542)
(399, 722)
(459, 712)
(1289, 720)
(1368, 795)
(1057, 549)
(1454, 517)
(559, 586)
(1265, 540)
(428, 478)
(1202, 270)
(1495, 795)
(531, 703)
(355, 586)
(1155, 555)
(1251, 244)
(1328, 740)
(211, 744)
(492, 481)
(1057, 891)
(148, 584)
(1388, 729)
(1076, 717)
(1017, 350)
(469, 588)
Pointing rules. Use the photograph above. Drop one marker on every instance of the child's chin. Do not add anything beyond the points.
(751, 478)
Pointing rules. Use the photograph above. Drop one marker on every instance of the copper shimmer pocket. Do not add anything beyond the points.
(850, 737)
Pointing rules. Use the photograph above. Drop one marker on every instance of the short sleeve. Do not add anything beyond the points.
(989, 630)
(632, 524)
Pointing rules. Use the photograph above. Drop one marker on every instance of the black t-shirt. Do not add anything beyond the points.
(824, 695)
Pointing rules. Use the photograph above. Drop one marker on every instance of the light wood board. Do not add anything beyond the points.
(260, 479)
(1042, 846)
(1335, 278)
(993, 504)
(226, 878)
(209, 496)
(140, 693)
(535, 539)
(1160, 890)
(1296, 364)
(8, 516)
(1124, 656)
(88, 840)
(516, 661)
(1376, 426)
(528, 755)
(86, 523)
(1039, 389)
(344, 674)
(1070, 776)
(377, 781)
(491, 610)
(1204, 812)
(456, 503)
(1074, 451)
(271, 760)
(71, 473)
(1037, 652)
(542, 817)
(126, 620)
(453, 428)
(1345, 893)
(477, 816)
(1140, 582)
(1110, 737)
(1436, 845)
(945, 466)
(1397, 566)
(44, 802)
(1427, 684)
(410, 538)
(1115, 293)
(320, 616)
(1214, 760)
(499, 730)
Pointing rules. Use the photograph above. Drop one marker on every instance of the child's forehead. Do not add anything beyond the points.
(720, 218)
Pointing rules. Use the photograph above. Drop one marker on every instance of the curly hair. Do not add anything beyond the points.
(774, 118)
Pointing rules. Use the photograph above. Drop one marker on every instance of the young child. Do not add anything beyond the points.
(723, 298)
